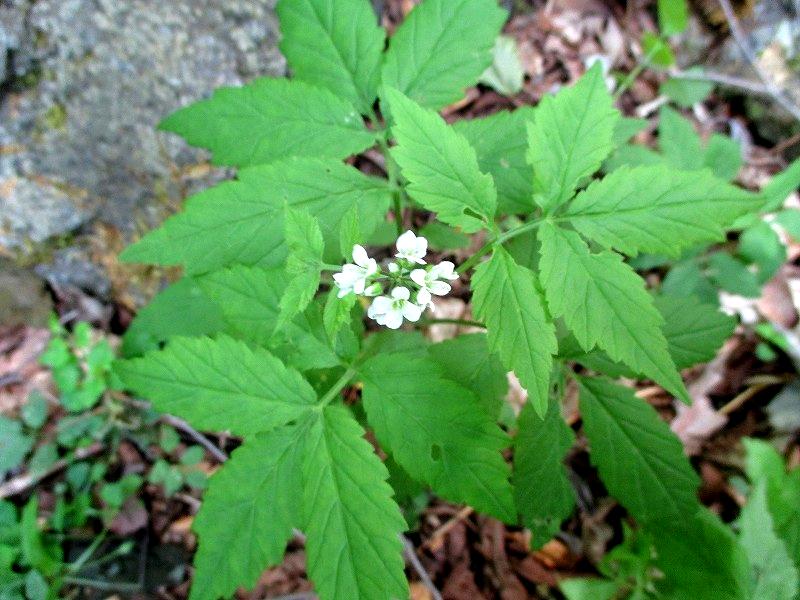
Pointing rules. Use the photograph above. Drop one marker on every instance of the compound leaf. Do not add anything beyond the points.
(336, 45)
(542, 490)
(640, 460)
(219, 385)
(352, 524)
(306, 247)
(657, 209)
(605, 304)
(242, 221)
(248, 513)
(570, 136)
(501, 142)
(270, 119)
(506, 297)
(437, 431)
(442, 48)
(441, 166)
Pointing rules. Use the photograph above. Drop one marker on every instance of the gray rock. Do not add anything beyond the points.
(79, 142)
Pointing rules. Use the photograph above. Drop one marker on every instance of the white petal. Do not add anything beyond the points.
(440, 288)
(444, 270)
(418, 277)
(421, 247)
(381, 305)
(406, 242)
(359, 285)
(360, 256)
(412, 312)
(423, 297)
(371, 267)
(343, 292)
(373, 290)
(393, 319)
(393, 267)
(401, 293)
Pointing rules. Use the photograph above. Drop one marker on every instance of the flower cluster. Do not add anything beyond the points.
(411, 286)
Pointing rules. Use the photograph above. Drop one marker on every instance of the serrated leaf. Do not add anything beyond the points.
(501, 143)
(353, 547)
(14, 444)
(542, 489)
(248, 513)
(442, 48)
(571, 135)
(694, 331)
(180, 309)
(440, 166)
(723, 156)
(467, 360)
(640, 460)
(306, 247)
(626, 128)
(242, 221)
(774, 575)
(437, 431)
(248, 299)
(270, 119)
(605, 304)
(337, 45)
(700, 558)
(506, 297)
(337, 311)
(657, 209)
(219, 385)
(779, 187)
(678, 140)
(686, 92)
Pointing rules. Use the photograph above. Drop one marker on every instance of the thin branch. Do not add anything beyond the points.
(24, 482)
(744, 45)
(722, 79)
(411, 556)
(198, 437)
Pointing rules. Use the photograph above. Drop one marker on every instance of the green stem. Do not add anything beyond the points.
(464, 322)
(394, 184)
(637, 70)
(337, 387)
(500, 239)
(87, 554)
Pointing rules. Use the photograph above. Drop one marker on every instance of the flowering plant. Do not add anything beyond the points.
(257, 339)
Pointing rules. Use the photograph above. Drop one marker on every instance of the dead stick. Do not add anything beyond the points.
(23, 482)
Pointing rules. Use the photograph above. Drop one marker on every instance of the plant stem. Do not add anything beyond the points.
(464, 322)
(87, 554)
(337, 387)
(637, 70)
(394, 184)
(500, 239)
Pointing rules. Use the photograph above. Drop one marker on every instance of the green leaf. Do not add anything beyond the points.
(626, 128)
(219, 385)
(632, 155)
(501, 143)
(306, 247)
(659, 52)
(605, 304)
(678, 141)
(571, 135)
(732, 275)
(441, 167)
(442, 48)
(270, 119)
(686, 92)
(580, 588)
(780, 186)
(242, 221)
(761, 245)
(694, 331)
(180, 309)
(507, 298)
(467, 360)
(353, 548)
(337, 311)
(686, 279)
(36, 553)
(701, 559)
(248, 298)
(775, 576)
(34, 411)
(14, 445)
(640, 460)
(723, 156)
(673, 15)
(248, 512)
(437, 431)
(336, 45)
(657, 209)
(505, 75)
(443, 237)
(542, 489)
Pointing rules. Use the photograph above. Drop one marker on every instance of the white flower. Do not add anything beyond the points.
(391, 311)
(412, 248)
(353, 277)
(429, 281)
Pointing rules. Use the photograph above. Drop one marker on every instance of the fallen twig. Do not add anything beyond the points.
(411, 556)
(24, 482)
(198, 437)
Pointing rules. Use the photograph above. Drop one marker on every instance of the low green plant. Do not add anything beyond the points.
(259, 340)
